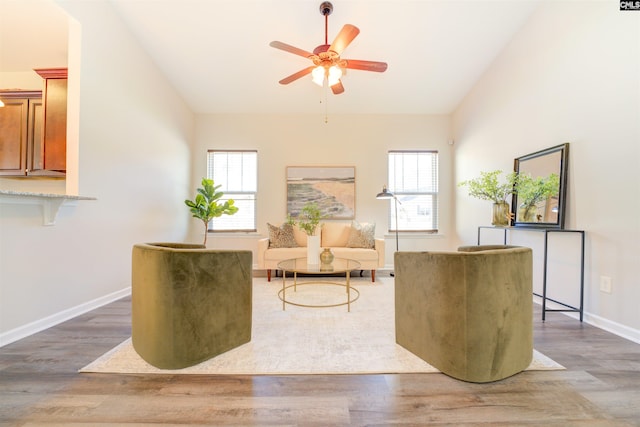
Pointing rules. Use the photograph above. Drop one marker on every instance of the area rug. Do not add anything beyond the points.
(305, 340)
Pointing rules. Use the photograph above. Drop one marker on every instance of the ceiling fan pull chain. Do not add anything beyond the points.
(325, 90)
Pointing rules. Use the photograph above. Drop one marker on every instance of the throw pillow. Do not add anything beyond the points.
(281, 237)
(335, 234)
(362, 236)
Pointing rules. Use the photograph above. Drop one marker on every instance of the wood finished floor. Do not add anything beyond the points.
(40, 386)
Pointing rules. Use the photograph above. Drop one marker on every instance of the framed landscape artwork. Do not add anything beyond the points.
(332, 188)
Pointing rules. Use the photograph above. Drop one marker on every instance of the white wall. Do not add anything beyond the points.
(304, 140)
(28, 80)
(572, 74)
(129, 146)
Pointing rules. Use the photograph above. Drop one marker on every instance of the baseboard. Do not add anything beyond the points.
(599, 322)
(613, 327)
(57, 318)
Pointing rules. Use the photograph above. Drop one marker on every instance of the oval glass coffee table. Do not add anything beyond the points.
(300, 266)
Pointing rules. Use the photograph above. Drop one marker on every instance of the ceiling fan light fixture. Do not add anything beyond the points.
(334, 75)
(317, 75)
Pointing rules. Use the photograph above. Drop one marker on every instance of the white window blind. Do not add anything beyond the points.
(236, 171)
(413, 179)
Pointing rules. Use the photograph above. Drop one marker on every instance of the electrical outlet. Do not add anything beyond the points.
(605, 284)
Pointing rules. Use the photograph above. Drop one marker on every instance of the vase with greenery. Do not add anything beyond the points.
(531, 191)
(308, 220)
(206, 207)
(489, 186)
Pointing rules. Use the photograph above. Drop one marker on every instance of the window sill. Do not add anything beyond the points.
(238, 234)
(414, 235)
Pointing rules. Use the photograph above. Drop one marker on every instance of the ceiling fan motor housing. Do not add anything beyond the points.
(320, 49)
(326, 8)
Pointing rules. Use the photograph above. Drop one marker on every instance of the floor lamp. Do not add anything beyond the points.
(385, 195)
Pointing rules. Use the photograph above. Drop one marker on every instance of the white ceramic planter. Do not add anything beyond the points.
(313, 250)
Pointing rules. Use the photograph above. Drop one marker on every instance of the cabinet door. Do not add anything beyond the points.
(55, 125)
(35, 147)
(13, 136)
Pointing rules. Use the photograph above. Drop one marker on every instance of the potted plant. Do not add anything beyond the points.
(309, 218)
(308, 221)
(489, 187)
(531, 191)
(206, 207)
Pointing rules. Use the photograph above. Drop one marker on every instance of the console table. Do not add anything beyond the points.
(545, 298)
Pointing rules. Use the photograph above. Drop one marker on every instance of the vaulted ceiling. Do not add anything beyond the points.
(216, 53)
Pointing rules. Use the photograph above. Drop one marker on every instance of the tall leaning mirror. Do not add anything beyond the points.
(540, 199)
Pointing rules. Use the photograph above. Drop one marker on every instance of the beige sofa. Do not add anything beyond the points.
(344, 239)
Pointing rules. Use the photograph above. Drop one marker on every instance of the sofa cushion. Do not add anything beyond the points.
(359, 254)
(361, 235)
(281, 237)
(335, 234)
(280, 254)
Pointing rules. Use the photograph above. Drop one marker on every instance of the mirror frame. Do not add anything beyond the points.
(562, 193)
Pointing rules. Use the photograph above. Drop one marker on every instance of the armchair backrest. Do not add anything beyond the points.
(468, 313)
(189, 303)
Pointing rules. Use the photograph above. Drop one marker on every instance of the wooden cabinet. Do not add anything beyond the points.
(20, 132)
(54, 125)
(33, 128)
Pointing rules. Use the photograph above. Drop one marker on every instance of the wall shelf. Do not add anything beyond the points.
(50, 202)
(545, 298)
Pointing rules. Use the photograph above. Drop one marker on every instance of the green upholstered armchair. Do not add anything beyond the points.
(467, 313)
(189, 303)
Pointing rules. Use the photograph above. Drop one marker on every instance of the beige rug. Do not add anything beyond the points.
(302, 340)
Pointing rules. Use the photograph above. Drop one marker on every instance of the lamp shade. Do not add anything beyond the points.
(385, 194)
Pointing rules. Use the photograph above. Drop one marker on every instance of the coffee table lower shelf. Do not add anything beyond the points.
(352, 295)
(300, 266)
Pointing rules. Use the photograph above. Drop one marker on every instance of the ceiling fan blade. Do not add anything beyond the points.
(290, 49)
(337, 88)
(344, 37)
(295, 76)
(356, 64)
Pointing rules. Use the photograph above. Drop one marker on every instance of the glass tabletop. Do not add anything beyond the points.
(299, 265)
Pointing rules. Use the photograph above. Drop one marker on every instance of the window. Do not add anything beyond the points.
(237, 174)
(413, 179)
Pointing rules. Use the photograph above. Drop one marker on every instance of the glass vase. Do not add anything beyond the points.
(501, 215)
(529, 213)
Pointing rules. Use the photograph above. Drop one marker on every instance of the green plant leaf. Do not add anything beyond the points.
(206, 207)
(489, 187)
(533, 190)
(308, 219)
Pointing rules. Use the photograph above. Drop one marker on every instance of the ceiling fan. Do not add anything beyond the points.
(326, 57)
